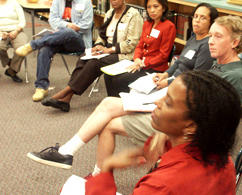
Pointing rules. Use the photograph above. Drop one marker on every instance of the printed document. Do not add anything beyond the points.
(75, 185)
(89, 55)
(144, 84)
(141, 102)
(43, 33)
(117, 68)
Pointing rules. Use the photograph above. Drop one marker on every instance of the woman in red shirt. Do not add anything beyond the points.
(152, 52)
(201, 132)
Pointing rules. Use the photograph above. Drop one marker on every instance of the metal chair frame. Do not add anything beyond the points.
(69, 54)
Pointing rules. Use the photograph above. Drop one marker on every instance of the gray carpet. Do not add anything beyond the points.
(27, 126)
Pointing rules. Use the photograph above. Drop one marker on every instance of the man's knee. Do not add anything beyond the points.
(67, 30)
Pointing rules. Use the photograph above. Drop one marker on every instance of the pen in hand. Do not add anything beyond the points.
(147, 103)
(98, 52)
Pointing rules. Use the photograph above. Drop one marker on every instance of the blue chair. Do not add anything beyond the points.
(238, 169)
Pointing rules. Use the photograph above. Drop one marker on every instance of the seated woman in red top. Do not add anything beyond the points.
(152, 52)
(200, 114)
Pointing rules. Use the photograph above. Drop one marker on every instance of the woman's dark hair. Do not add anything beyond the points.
(164, 3)
(213, 13)
(214, 105)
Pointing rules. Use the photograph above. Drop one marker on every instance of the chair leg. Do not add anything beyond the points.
(93, 87)
(26, 70)
(65, 64)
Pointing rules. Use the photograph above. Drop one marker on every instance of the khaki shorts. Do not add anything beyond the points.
(138, 127)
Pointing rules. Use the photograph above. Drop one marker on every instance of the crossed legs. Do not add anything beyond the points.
(108, 110)
(64, 95)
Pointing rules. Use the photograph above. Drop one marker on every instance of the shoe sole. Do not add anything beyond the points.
(50, 163)
(49, 103)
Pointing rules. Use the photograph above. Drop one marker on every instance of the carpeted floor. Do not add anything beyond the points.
(27, 126)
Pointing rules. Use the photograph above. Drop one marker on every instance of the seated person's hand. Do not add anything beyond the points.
(162, 84)
(128, 158)
(155, 147)
(99, 49)
(73, 27)
(132, 68)
(13, 34)
(4, 35)
(138, 64)
(159, 77)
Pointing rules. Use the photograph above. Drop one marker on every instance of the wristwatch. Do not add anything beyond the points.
(114, 49)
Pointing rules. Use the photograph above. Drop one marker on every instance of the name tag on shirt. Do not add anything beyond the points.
(121, 26)
(80, 7)
(190, 54)
(155, 33)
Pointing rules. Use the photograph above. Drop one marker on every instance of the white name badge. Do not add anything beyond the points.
(121, 26)
(80, 7)
(190, 54)
(155, 33)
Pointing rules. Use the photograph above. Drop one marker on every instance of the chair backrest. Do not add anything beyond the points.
(172, 53)
(238, 168)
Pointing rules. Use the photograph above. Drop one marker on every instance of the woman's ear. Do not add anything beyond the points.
(190, 129)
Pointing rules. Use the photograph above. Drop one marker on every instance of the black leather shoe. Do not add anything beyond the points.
(15, 78)
(64, 106)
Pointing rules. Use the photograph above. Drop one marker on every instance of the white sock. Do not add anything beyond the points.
(96, 171)
(72, 146)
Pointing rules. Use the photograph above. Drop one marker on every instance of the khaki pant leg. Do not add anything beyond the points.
(20, 40)
(3, 51)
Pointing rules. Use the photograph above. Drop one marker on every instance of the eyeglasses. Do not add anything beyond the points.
(202, 18)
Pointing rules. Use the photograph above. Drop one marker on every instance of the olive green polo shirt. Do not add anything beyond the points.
(232, 72)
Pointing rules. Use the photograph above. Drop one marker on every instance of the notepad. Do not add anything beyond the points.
(141, 102)
(117, 68)
(89, 55)
(43, 33)
(144, 84)
(75, 185)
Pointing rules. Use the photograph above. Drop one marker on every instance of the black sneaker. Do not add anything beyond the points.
(51, 156)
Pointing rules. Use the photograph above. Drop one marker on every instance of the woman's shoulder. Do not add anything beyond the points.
(167, 24)
(203, 43)
(132, 10)
(13, 2)
(148, 23)
(109, 12)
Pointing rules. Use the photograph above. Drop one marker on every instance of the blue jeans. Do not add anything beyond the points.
(66, 40)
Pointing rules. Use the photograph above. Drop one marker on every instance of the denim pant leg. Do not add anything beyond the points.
(69, 39)
(45, 55)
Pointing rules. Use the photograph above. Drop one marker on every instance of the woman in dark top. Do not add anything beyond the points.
(196, 54)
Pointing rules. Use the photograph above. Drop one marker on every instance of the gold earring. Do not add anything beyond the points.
(185, 136)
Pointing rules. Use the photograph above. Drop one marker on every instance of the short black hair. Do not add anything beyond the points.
(213, 13)
(164, 3)
(214, 105)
